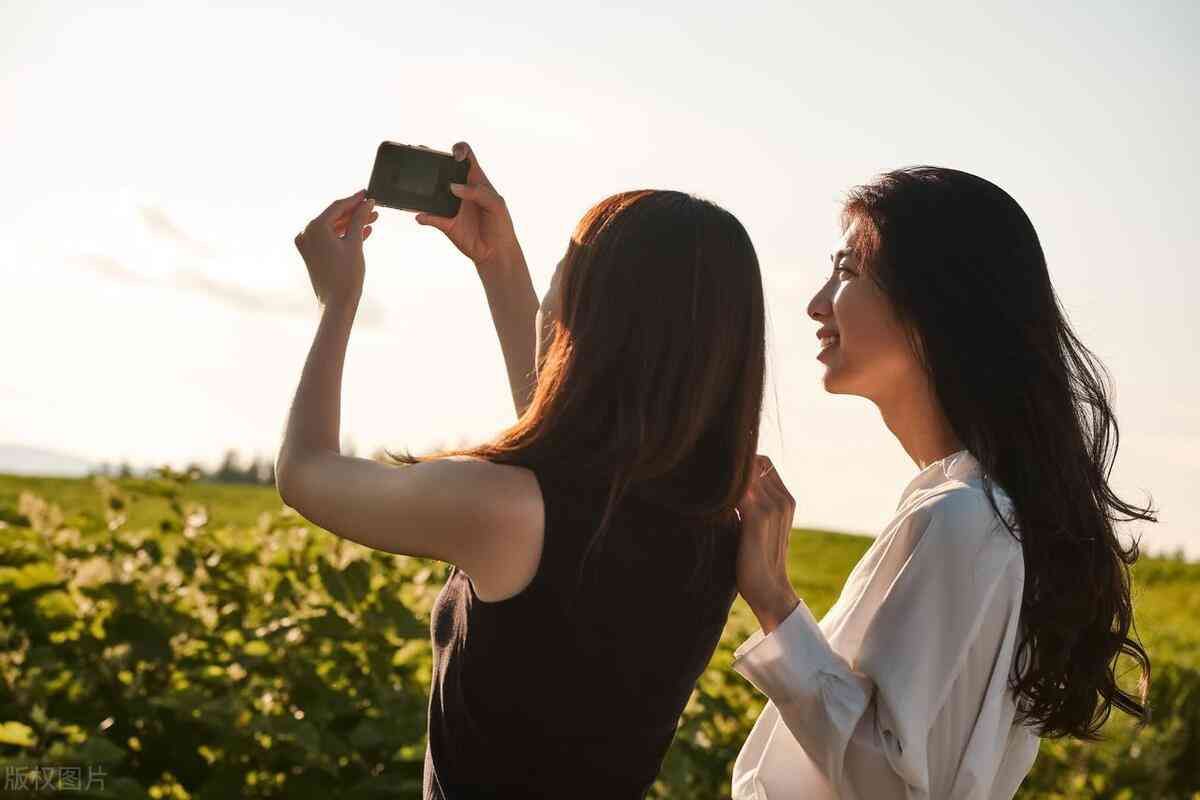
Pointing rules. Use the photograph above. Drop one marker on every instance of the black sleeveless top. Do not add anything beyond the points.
(550, 693)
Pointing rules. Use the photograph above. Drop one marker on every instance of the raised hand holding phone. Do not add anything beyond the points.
(482, 230)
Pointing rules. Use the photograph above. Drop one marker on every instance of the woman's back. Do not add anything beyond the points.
(649, 355)
(537, 695)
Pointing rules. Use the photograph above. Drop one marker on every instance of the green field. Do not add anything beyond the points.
(202, 640)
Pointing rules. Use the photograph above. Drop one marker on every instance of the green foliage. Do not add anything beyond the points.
(204, 641)
(191, 659)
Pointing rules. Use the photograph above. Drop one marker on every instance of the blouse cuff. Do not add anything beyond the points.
(788, 659)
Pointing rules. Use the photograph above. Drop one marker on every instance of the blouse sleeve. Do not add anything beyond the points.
(950, 575)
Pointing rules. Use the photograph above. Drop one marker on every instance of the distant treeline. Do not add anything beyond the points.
(237, 468)
(234, 468)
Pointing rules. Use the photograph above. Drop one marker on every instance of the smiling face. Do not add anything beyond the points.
(862, 344)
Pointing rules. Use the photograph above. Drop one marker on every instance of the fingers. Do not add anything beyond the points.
(351, 219)
(461, 151)
(339, 227)
(345, 217)
(481, 194)
(339, 208)
(780, 491)
(762, 465)
(358, 221)
(443, 224)
(766, 482)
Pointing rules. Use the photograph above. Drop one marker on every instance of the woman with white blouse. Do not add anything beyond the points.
(990, 611)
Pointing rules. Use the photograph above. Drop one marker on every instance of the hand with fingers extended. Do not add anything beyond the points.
(332, 248)
(482, 230)
(766, 511)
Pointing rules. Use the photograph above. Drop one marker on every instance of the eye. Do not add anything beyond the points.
(844, 263)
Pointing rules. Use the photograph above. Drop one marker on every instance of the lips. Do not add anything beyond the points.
(827, 338)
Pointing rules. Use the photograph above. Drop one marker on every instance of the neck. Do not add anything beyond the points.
(916, 419)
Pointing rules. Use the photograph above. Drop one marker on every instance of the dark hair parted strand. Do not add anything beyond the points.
(652, 385)
(964, 269)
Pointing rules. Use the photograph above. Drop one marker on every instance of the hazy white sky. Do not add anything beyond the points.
(158, 162)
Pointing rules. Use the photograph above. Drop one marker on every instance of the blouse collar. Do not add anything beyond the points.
(959, 465)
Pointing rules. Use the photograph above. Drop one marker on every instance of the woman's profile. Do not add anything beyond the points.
(594, 541)
(991, 610)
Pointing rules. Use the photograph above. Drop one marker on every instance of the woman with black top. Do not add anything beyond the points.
(601, 525)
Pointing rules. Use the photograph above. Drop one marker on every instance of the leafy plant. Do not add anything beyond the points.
(203, 641)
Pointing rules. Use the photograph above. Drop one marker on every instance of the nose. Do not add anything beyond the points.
(820, 306)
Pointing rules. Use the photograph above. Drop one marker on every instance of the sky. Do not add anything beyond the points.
(159, 161)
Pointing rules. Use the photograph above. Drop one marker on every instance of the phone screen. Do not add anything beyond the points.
(415, 175)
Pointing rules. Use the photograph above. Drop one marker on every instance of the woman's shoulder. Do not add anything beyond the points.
(960, 518)
(506, 502)
(510, 492)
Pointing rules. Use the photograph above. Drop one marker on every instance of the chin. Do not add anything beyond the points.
(829, 379)
(835, 383)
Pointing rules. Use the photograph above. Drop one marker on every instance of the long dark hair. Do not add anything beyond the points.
(653, 383)
(962, 265)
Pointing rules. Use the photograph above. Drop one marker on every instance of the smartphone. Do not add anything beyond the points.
(416, 179)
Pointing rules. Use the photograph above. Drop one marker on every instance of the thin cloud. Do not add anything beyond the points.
(370, 314)
(109, 267)
(157, 221)
(229, 293)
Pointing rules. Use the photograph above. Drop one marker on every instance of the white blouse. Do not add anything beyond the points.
(902, 690)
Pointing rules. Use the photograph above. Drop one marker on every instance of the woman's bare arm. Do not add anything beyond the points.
(514, 307)
(483, 231)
